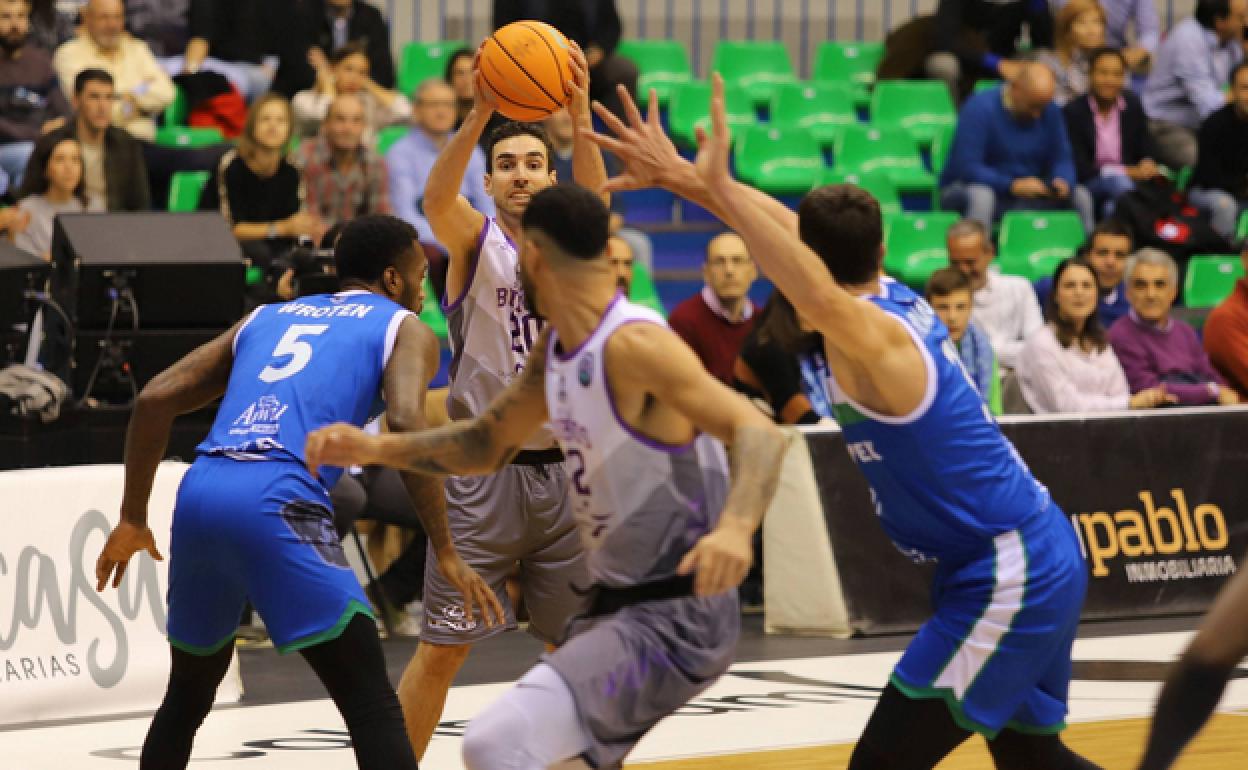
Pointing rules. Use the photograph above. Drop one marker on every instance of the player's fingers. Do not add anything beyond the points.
(154, 553)
(699, 135)
(652, 109)
(610, 144)
(630, 107)
(496, 607)
(621, 183)
(121, 571)
(609, 119)
(689, 563)
(719, 123)
(103, 568)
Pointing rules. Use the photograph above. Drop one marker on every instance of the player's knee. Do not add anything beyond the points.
(443, 656)
(494, 738)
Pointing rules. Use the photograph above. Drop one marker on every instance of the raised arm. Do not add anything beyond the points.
(588, 168)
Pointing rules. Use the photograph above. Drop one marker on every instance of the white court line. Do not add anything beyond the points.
(801, 705)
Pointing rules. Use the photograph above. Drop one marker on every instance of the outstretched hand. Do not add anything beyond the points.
(339, 444)
(713, 148)
(719, 561)
(474, 589)
(124, 542)
(577, 87)
(644, 151)
(484, 99)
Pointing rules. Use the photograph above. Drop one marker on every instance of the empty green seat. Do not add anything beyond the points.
(823, 109)
(691, 107)
(178, 110)
(915, 245)
(642, 290)
(1241, 229)
(877, 184)
(778, 161)
(431, 312)
(188, 136)
(661, 64)
(758, 66)
(891, 151)
(1210, 279)
(942, 142)
(387, 136)
(922, 108)
(850, 63)
(1034, 242)
(185, 188)
(420, 61)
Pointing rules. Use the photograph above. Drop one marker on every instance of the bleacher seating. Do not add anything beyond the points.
(387, 136)
(921, 108)
(891, 151)
(755, 65)
(691, 107)
(853, 63)
(823, 109)
(1032, 243)
(1210, 279)
(778, 161)
(185, 188)
(421, 61)
(661, 65)
(914, 245)
(877, 184)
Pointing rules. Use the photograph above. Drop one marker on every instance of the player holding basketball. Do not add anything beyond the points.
(252, 523)
(521, 513)
(995, 658)
(668, 540)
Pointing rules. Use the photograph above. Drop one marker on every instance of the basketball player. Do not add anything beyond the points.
(1195, 685)
(995, 658)
(251, 523)
(668, 541)
(521, 513)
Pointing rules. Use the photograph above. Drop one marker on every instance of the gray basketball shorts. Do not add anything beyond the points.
(519, 515)
(630, 669)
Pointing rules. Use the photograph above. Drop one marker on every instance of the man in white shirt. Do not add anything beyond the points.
(1005, 306)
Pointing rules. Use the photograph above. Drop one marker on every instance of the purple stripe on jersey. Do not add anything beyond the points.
(565, 357)
(636, 434)
(476, 257)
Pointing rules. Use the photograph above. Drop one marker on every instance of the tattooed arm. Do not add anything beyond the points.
(483, 444)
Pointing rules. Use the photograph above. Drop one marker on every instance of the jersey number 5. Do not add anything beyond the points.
(299, 351)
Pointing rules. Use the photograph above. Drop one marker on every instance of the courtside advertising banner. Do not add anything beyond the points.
(67, 651)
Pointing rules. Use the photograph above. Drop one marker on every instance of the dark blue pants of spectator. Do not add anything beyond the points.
(1095, 198)
(981, 203)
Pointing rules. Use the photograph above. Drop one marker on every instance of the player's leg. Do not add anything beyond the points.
(532, 727)
(1195, 685)
(906, 733)
(353, 670)
(193, 682)
(424, 686)
(553, 566)
(1013, 750)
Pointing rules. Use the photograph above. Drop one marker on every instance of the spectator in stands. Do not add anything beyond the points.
(411, 158)
(13, 221)
(1220, 182)
(714, 321)
(1010, 150)
(975, 39)
(346, 72)
(1004, 306)
(343, 177)
(1120, 16)
(620, 258)
(259, 46)
(1080, 31)
(949, 293)
(1157, 349)
(780, 367)
(143, 88)
(162, 24)
(258, 191)
(1067, 364)
(1106, 250)
(115, 170)
(459, 74)
(55, 181)
(339, 22)
(31, 102)
(1192, 67)
(595, 25)
(1226, 334)
(1109, 139)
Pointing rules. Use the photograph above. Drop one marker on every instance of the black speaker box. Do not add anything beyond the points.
(19, 271)
(137, 356)
(183, 270)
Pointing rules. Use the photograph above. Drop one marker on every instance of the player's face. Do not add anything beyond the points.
(1075, 294)
(1108, 257)
(520, 171)
(411, 284)
(969, 254)
(954, 309)
(1151, 292)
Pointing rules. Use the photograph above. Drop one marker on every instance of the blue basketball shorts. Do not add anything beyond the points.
(997, 649)
(261, 531)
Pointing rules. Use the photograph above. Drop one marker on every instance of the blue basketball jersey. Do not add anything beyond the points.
(944, 479)
(302, 365)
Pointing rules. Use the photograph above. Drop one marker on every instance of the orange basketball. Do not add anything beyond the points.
(526, 65)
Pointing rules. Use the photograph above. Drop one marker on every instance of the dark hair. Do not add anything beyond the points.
(512, 128)
(35, 181)
(453, 59)
(331, 235)
(777, 324)
(1100, 53)
(349, 49)
(1209, 11)
(370, 244)
(1114, 227)
(574, 218)
(841, 223)
(946, 281)
(91, 75)
(1064, 330)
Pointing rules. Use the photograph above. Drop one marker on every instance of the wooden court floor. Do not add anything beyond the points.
(1115, 745)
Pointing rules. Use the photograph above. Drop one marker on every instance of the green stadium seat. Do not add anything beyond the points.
(691, 107)
(758, 66)
(942, 142)
(178, 110)
(915, 245)
(387, 136)
(1241, 228)
(642, 290)
(877, 184)
(1034, 242)
(922, 108)
(853, 63)
(778, 161)
(823, 109)
(1210, 279)
(188, 136)
(986, 84)
(431, 312)
(185, 188)
(661, 65)
(420, 61)
(891, 151)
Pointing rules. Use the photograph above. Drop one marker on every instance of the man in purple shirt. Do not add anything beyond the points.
(1155, 349)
